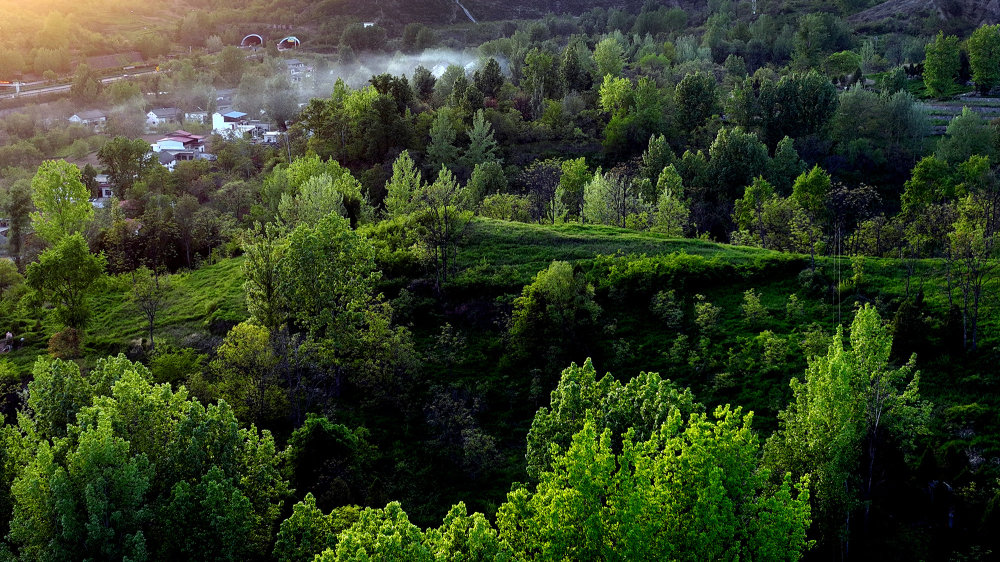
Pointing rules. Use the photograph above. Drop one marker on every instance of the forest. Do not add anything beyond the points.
(638, 281)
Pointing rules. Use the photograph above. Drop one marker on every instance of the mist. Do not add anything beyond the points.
(358, 73)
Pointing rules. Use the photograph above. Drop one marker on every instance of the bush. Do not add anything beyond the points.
(752, 308)
(667, 307)
(66, 344)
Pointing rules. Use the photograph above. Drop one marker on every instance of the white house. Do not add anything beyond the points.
(162, 115)
(90, 118)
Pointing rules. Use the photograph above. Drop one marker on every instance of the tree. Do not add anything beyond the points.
(748, 212)
(443, 222)
(149, 297)
(148, 473)
(540, 181)
(973, 255)
(642, 405)
(984, 57)
(810, 193)
(941, 65)
(572, 182)
(487, 179)
(809, 41)
(555, 317)
(490, 79)
(672, 214)
(62, 201)
(402, 187)
(423, 83)
(482, 145)
(232, 63)
(245, 374)
(851, 405)
(326, 275)
(16, 204)
(306, 533)
(967, 134)
(571, 68)
(86, 86)
(689, 492)
(64, 274)
(380, 534)
(785, 166)
(610, 199)
(126, 161)
(697, 99)
(609, 57)
(442, 151)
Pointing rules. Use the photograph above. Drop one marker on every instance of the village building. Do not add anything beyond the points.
(162, 115)
(90, 118)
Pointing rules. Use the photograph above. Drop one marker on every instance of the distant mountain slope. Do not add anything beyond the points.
(448, 11)
(972, 12)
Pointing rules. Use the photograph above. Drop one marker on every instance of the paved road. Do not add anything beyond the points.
(65, 87)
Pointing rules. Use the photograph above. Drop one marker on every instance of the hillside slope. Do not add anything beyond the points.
(971, 12)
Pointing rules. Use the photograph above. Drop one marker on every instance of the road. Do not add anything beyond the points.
(64, 87)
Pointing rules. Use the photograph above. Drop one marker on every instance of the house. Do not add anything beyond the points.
(162, 115)
(103, 192)
(180, 140)
(91, 118)
(225, 123)
(196, 116)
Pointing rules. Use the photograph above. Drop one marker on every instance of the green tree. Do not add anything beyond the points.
(572, 182)
(443, 222)
(555, 316)
(697, 99)
(306, 533)
(692, 491)
(380, 534)
(941, 65)
(64, 274)
(16, 204)
(809, 41)
(967, 134)
(490, 79)
(672, 213)
(487, 179)
(402, 187)
(785, 166)
(984, 57)
(572, 69)
(748, 212)
(466, 537)
(482, 146)
(609, 57)
(86, 86)
(145, 472)
(850, 407)
(642, 405)
(62, 201)
(231, 65)
(423, 83)
(149, 297)
(326, 275)
(126, 161)
(442, 151)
